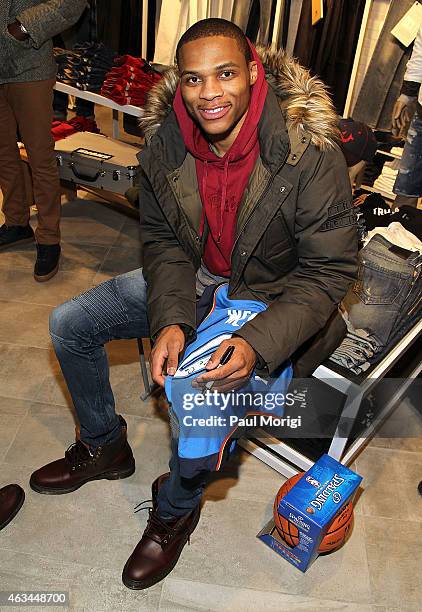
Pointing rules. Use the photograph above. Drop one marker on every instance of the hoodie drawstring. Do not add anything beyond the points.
(223, 199)
(223, 194)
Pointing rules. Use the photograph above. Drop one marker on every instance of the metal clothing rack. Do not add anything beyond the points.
(287, 460)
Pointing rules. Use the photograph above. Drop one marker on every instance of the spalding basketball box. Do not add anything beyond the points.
(311, 505)
(96, 160)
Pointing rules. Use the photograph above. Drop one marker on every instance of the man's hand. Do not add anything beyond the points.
(402, 114)
(15, 30)
(236, 372)
(169, 344)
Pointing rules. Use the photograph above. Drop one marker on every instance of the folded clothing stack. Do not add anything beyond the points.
(356, 351)
(64, 59)
(410, 218)
(86, 66)
(385, 182)
(129, 80)
(374, 212)
(63, 129)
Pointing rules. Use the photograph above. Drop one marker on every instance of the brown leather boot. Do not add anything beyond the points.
(160, 546)
(110, 461)
(11, 499)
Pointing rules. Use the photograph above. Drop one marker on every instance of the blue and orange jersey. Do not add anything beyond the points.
(207, 420)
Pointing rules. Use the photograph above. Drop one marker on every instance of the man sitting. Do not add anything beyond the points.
(241, 183)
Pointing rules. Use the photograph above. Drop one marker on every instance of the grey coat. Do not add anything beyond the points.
(32, 59)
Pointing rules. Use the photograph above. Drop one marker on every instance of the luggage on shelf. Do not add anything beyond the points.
(98, 161)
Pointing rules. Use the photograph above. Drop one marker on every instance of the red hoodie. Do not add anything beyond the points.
(222, 180)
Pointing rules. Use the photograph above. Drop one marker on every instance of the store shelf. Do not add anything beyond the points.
(98, 99)
(129, 109)
(385, 194)
(388, 154)
(282, 455)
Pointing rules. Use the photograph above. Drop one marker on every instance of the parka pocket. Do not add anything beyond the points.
(375, 285)
(277, 241)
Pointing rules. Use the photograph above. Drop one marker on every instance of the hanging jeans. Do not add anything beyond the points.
(409, 178)
(384, 76)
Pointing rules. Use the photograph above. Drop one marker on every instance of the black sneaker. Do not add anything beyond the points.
(15, 234)
(47, 263)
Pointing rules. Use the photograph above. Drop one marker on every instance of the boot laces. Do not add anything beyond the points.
(157, 529)
(78, 455)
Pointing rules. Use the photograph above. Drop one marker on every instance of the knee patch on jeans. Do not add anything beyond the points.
(104, 305)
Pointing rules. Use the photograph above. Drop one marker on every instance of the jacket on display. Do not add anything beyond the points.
(296, 241)
(32, 59)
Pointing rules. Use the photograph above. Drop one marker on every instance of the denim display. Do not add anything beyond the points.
(384, 76)
(409, 177)
(82, 31)
(387, 291)
(395, 233)
(85, 66)
(383, 304)
(356, 351)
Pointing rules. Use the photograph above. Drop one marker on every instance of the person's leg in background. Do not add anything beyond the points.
(32, 105)
(16, 228)
(79, 329)
(60, 104)
(84, 108)
(408, 185)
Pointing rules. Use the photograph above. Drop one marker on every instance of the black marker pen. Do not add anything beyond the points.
(224, 359)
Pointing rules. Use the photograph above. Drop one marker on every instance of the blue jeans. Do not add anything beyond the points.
(409, 178)
(388, 289)
(79, 329)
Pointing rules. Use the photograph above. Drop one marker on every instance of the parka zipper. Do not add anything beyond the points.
(263, 194)
(195, 238)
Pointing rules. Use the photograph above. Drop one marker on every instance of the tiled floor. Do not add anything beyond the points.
(80, 542)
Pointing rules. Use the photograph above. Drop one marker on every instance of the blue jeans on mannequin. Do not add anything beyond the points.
(79, 329)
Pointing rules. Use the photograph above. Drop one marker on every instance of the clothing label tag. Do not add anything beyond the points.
(317, 11)
(407, 28)
(399, 251)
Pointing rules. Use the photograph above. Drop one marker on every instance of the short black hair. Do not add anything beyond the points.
(215, 27)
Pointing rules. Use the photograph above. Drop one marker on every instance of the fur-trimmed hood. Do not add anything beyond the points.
(303, 99)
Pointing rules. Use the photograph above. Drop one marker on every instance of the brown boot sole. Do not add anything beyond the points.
(115, 475)
(46, 277)
(3, 247)
(138, 585)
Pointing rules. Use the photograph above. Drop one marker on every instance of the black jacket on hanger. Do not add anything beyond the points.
(328, 48)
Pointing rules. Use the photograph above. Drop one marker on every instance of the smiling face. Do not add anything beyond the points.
(215, 82)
